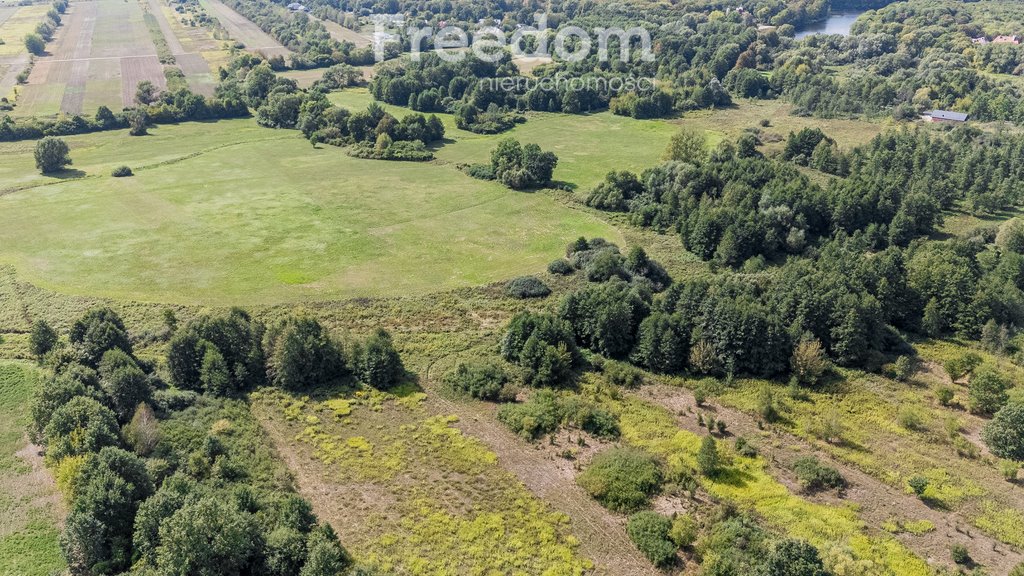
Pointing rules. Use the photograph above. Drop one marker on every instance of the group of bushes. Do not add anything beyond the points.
(547, 411)
(517, 166)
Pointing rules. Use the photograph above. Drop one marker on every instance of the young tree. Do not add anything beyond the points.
(987, 390)
(687, 146)
(809, 361)
(794, 558)
(42, 339)
(35, 44)
(52, 155)
(379, 364)
(123, 382)
(708, 460)
(97, 331)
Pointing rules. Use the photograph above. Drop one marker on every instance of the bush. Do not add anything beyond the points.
(944, 394)
(479, 171)
(561, 267)
(684, 531)
(42, 339)
(650, 532)
(918, 484)
(910, 418)
(483, 380)
(960, 554)
(622, 479)
(814, 476)
(79, 427)
(546, 411)
(745, 448)
(622, 374)
(121, 172)
(527, 287)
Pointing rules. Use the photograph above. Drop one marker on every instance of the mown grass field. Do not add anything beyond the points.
(244, 214)
(29, 503)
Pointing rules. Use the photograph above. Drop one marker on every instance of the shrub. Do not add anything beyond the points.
(483, 380)
(809, 362)
(561, 267)
(814, 476)
(1009, 468)
(961, 365)
(121, 172)
(903, 368)
(479, 171)
(791, 557)
(650, 532)
(527, 287)
(745, 448)
(622, 479)
(622, 374)
(910, 418)
(684, 531)
(546, 411)
(918, 484)
(944, 394)
(960, 554)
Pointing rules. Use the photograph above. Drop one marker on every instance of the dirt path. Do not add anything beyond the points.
(601, 533)
(876, 500)
(244, 30)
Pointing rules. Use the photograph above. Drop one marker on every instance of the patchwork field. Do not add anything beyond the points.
(215, 226)
(106, 47)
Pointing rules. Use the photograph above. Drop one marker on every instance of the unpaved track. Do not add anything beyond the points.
(602, 534)
(877, 501)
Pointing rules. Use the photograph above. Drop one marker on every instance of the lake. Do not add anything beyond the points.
(836, 23)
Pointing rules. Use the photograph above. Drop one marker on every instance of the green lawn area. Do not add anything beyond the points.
(231, 213)
(28, 532)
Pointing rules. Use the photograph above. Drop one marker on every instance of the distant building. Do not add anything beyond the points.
(943, 116)
(1006, 40)
(979, 40)
(296, 7)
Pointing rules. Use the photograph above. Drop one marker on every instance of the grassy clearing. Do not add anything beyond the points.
(412, 495)
(215, 227)
(746, 481)
(29, 503)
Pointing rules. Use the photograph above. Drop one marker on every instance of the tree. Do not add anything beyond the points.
(146, 93)
(123, 382)
(325, 556)
(143, 431)
(207, 537)
(808, 361)
(987, 390)
(379, 363)
(52, 155)
(687, 146)
(301, 354)
(97, 331)
(81, 426)
(520, 167)
(708, 460)
(932, 322)
(649, 531)
(1004, 435)
(42, 339)
(791, 557)
(35, 44)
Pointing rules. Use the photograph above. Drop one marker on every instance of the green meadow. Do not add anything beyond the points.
(28, 502)
(245, 215)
